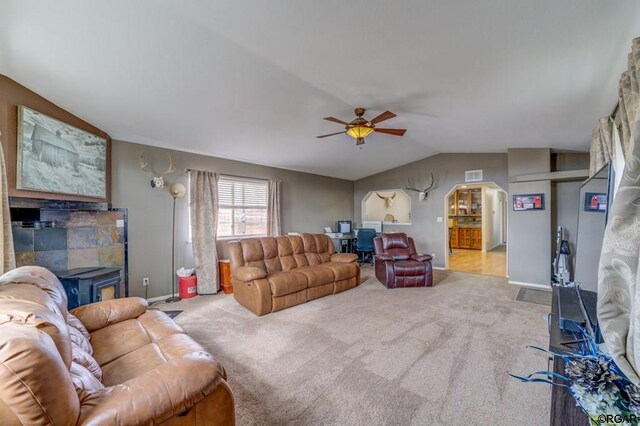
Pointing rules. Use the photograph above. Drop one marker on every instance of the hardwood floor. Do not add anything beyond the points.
(479, 262)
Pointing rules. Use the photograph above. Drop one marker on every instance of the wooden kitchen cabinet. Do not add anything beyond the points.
(466, 238)
(475, 202)
(476, 238)
(454, 238)
(465, 202)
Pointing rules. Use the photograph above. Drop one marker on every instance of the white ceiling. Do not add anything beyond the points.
(251, 80)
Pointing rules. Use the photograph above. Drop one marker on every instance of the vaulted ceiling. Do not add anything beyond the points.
(251, 80)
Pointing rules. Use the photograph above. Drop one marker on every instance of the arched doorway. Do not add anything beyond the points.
(476, 229)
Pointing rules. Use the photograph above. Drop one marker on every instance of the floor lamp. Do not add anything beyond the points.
(177, 190)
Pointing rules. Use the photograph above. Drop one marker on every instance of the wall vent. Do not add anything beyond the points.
(473, 176)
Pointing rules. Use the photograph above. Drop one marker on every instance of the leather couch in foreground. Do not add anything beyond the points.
(397, 264)
(107, 363)
(273, 273)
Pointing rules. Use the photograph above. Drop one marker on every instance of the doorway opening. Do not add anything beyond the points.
(476, 229)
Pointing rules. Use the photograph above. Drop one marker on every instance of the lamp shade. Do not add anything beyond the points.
(177, 190)
(359, 132)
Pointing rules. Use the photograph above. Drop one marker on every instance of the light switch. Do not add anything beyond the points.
(439, 219)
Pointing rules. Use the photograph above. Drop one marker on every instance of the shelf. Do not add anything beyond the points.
(564, 176)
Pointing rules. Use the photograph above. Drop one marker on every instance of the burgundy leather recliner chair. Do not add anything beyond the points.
(398, 265)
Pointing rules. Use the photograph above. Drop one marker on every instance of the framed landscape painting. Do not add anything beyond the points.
(56, 157)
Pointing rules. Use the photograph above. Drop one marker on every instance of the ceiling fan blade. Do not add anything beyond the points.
(335, 120)
(395, 132)
(330, 134)
(384, 116)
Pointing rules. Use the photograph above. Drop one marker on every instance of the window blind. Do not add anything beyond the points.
(242, 207)
(238, 193)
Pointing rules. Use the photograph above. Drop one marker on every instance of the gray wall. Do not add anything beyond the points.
(529, 259)
(309, 202)
(448, 170)
(566, 199)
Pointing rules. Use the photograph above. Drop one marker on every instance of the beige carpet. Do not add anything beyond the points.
(372, 356)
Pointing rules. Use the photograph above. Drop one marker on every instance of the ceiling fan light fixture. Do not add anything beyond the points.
(359, 132)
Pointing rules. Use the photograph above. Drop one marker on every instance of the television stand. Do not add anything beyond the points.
(564, 410)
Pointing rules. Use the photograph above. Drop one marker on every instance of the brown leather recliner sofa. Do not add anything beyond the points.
(108, 363)
(397, 264)
(273, 273)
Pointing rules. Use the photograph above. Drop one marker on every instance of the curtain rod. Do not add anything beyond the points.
(225, 174)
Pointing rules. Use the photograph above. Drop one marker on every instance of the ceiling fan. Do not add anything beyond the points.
(359, 128)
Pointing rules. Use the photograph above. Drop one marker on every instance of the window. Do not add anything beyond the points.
(242, 207)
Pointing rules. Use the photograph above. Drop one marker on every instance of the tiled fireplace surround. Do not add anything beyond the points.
(77, 239)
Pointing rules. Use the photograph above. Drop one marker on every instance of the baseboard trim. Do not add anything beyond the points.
(439, 268)
(525, 284)
(159, 298)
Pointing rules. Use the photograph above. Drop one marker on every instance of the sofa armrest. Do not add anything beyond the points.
(421, 257)
(383, 257)
(155, 396)
(102, 314)
(248, 273)
(344, 257)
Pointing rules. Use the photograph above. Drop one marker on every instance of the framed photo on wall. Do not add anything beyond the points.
(524, 202)
(56, 157)
(595, 202)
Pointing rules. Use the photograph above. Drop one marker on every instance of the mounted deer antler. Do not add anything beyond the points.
(388, 201)
(422, 193)
(158, 178)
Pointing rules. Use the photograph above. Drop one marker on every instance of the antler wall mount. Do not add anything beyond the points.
(422, 193)
(388, 201)
(158, 177)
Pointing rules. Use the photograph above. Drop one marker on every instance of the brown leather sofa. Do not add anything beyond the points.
(108, 363)
(273, 273)
(397, 264)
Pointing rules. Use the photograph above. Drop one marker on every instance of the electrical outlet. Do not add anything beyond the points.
(145, 281)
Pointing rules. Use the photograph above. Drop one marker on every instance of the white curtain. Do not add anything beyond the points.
(602, 148)
(203, 196)
(6, 236)
(618, 312)
(273, 208)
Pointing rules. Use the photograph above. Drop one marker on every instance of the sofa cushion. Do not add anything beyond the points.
(84, 381)
(343, 257)
(167, 342)
(79, 340)
(84, 359)
(74, 322)
(42, 278)
(409, 268)
(285, 252)
(26, 313)
(270, 252)
(287, 282)
(248, 273)
(117, 340)
(157, 324)
(342, 271)
(34, 381)
(133, 364)
(317, 275)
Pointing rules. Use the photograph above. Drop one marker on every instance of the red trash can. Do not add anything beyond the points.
(187, 286)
